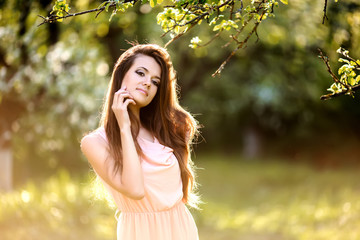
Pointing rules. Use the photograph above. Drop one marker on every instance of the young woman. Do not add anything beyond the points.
(141, 151)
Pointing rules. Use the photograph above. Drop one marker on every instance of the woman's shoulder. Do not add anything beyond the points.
(96, 137)
(95, 148)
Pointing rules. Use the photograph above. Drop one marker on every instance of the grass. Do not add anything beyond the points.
(243, 200)
(60, 208)
(275, 200)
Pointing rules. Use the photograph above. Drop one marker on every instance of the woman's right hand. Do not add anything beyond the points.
(122, 99)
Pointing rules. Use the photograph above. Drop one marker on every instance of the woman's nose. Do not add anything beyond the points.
(147, 82)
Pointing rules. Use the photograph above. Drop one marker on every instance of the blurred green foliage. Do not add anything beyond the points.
(276, 200)
(238, 20)
(53, 80)
(62, 207)
(272, 87)
(242, 200)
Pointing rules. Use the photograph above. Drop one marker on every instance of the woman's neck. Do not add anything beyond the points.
(146, 134)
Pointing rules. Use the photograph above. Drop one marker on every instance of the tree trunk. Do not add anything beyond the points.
(252, 143)
(6, 162)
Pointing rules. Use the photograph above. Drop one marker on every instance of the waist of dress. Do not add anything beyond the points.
(177, 206)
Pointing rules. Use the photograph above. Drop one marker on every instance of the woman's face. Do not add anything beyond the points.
(142, 80)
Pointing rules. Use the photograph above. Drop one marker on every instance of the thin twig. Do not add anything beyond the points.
(212, 39)
(54, 18)
(348, 89)
(342, 52)
(231, 10)
(240, 45)
(179, 35)
(193, 21)
(239, 31)
(324, 16)
(332, 95)
(97, 14)
(197, 19)
(241, 6)
(334, 77)
(234, 37)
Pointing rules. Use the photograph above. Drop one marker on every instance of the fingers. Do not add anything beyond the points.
(122, 98)
(128, 101)
(121, 95)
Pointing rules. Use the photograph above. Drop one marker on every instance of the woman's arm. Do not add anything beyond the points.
(129, 180)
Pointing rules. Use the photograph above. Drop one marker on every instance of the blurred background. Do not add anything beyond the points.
(274, 161)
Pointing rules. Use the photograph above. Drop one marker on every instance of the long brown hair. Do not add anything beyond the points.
(163, 117)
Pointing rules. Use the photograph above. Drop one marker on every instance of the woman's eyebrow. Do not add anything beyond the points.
(146, 70)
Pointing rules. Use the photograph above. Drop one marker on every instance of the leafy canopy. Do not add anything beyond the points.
(237, 19)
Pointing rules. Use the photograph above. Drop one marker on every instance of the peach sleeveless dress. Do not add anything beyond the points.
(161, 214)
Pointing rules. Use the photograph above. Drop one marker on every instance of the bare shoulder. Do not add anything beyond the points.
(94, 147)
(91, 140)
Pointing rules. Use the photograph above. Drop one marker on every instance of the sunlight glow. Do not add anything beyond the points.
(25, 196)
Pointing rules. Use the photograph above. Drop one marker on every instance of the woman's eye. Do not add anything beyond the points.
(156, 83)
(140, 73)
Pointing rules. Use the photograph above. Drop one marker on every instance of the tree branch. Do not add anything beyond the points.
(324, 16)
(332, 95)
(346, 55)
(212, 39)
(348, 89)
(53, 18)
(326, 61)
(179, 35)
(240, 45)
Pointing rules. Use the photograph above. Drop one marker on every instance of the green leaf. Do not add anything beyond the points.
(343, 60)
(107, 7)
(333, 88)
(351, 81)
(357, 79)
(342, 69)
(153, 3)
(112, 15)
(217, 27)
(102, 4)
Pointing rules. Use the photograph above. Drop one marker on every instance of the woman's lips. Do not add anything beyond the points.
(143, 91)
